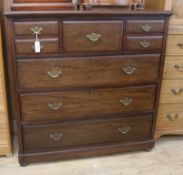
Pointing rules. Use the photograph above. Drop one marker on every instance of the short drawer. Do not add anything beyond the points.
(26, 46)
(173, 67)
(87, 71)
(92, 36)
(175, 45)
(93, 103)
(143, 43)
(170, 117)
(145, 26)
(28, 28)
(172, 92)
(77, 134)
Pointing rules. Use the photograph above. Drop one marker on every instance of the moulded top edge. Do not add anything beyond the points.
(89, 13)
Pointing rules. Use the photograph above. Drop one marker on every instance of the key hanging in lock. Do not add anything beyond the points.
(37, 45)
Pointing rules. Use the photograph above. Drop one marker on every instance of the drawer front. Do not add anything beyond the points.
(175, 27)
(175, 44)
(26, 46)
(170, 117)
(145, 26)
(173, 67)
(87, 103)
(86, 133)
(91, 71)
(92, 36)
(172, 91)
(143, 43)
(28, 28)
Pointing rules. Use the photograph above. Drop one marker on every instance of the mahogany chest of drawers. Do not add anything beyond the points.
(92, 88)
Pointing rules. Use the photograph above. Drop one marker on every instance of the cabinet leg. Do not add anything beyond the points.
(22, 162)
(148, 149)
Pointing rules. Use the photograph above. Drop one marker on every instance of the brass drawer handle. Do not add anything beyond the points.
(36, 30)
(54, 73)
(129, 70)
(177, 91)
(172, 117)
(55, 106)
(124, 130)
(146, 28)
(180, 45)
(179, 68)
(56, 136)
(94, 37)
(126, 101)
(145, 44)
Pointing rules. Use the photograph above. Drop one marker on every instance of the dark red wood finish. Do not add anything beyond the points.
(87, 71)
(76, 134)
(86, 103)
(86, 90)
(138, 26)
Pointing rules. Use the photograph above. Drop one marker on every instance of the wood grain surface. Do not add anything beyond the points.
(155, 5)
(48, 46)
(5, 142)
(175, 45)
(133, 44)
(24, 28)
(75, 36)
(101, 93)
(171, 92)
(173, 68)
(81, 104)
(170, 117)
(136, 26)
(86, 133)
(87, 71)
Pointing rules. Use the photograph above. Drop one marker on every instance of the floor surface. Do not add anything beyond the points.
(165, 159)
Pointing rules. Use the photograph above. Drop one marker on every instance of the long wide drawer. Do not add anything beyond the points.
(143, 44)
(89, 71)
(172, 92)
(170, 117)
(92, 36)
(173, 67)
(81, 104)
(86, 133)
